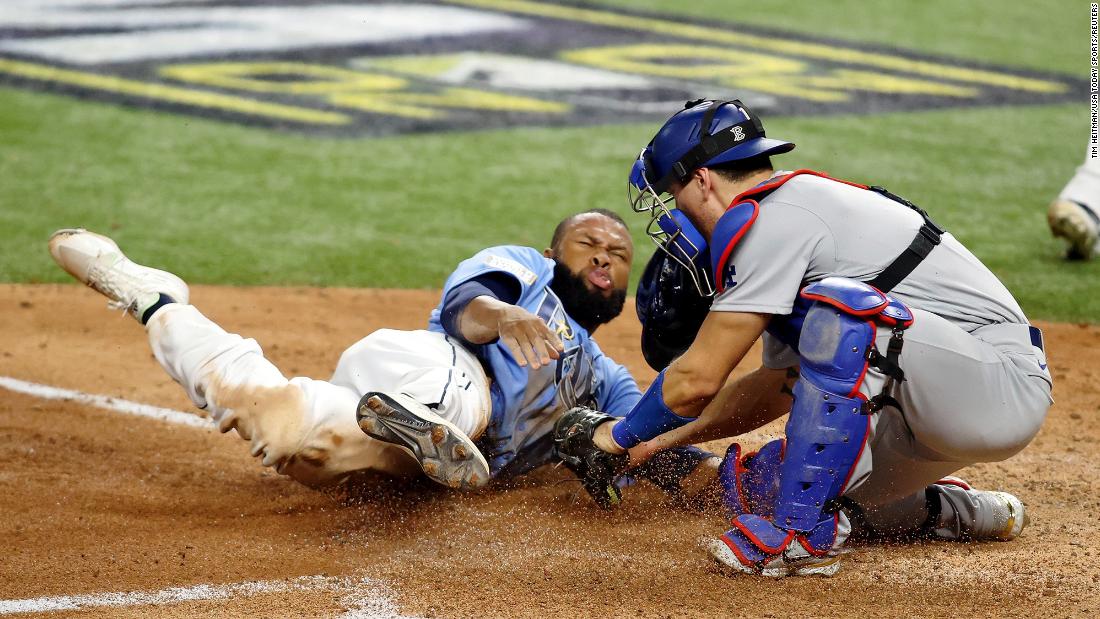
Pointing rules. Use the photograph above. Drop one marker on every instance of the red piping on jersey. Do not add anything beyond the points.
(757, 191)
(776, 184)
(719, 280)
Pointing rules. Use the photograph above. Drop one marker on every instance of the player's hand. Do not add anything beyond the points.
(528, 338)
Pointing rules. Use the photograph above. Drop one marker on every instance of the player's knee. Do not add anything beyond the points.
(310, 466)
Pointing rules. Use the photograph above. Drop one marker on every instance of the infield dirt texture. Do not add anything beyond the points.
(318, 185)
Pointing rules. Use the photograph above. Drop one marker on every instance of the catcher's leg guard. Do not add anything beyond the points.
(827, 431)
(750, 482)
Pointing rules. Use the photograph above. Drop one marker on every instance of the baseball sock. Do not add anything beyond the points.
(161, 302)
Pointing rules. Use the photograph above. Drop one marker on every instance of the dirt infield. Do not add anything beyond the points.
(94, 501)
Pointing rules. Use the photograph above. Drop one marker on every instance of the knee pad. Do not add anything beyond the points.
(830, 419)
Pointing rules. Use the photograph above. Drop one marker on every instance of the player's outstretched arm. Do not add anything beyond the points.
(741, 406)
(695, 378)
(526, 335)
(686, 387)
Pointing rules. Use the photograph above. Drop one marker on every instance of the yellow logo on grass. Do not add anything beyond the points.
(376, 67)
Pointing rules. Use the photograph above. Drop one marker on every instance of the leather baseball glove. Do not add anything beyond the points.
(597, 469)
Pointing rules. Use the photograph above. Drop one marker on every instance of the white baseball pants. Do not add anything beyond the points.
(306, 428)
(1084, 187)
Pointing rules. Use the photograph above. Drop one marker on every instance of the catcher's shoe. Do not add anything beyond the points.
(1000, 516)
(445, 453)
(728, 562)
(1078, 225)
(98, 262)
(756, 546)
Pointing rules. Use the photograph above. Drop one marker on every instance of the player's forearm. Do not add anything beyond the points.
(697, 377)
(741, 406)
(479, 321)
(746, 404)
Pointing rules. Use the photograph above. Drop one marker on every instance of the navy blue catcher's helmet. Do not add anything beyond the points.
(670, 309)
(705, 133)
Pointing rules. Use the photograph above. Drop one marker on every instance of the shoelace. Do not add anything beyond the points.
(105, 280)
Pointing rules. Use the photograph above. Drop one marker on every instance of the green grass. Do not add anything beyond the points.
(225, 204)
(1053, 36)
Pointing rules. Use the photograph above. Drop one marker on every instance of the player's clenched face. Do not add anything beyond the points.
(595, 253)
(598, 249)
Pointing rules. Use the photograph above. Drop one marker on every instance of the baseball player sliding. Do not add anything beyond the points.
(899, 356)
(472, 397)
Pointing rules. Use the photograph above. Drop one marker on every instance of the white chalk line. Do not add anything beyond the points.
(362, 598)
(119, 405)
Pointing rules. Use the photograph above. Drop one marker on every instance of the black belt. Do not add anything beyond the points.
(927, 238)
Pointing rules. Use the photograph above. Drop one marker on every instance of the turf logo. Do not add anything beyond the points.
(376, 68)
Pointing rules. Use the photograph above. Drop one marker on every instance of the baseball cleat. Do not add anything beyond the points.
(1000, 516)
(1009, 516)
(445, 453)
(97, 261)
(780, 567)
(1078, 225)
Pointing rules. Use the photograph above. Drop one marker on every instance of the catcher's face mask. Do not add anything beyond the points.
(669, 228)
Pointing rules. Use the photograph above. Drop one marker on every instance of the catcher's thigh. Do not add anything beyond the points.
(302, 427)
(967, 397)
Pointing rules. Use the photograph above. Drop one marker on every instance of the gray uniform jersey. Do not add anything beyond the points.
(812, 228)
(976, 388)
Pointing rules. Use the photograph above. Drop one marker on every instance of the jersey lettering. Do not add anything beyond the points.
(524, 274)
(728, 275)
(574, 376)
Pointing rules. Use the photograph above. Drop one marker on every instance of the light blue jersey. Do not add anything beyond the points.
(527, 402)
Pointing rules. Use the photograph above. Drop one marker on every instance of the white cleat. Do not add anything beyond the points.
(445, 453)
(779, 567)
(1077, 225)
(1009, 516)
(1001, 516)
(97, 261)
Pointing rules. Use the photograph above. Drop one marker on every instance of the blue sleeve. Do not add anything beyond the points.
(494, 284)
(617, 392)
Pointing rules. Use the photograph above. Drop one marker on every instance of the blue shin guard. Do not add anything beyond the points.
(828, 427)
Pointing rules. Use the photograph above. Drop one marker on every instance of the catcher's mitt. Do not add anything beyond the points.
(597, 469)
